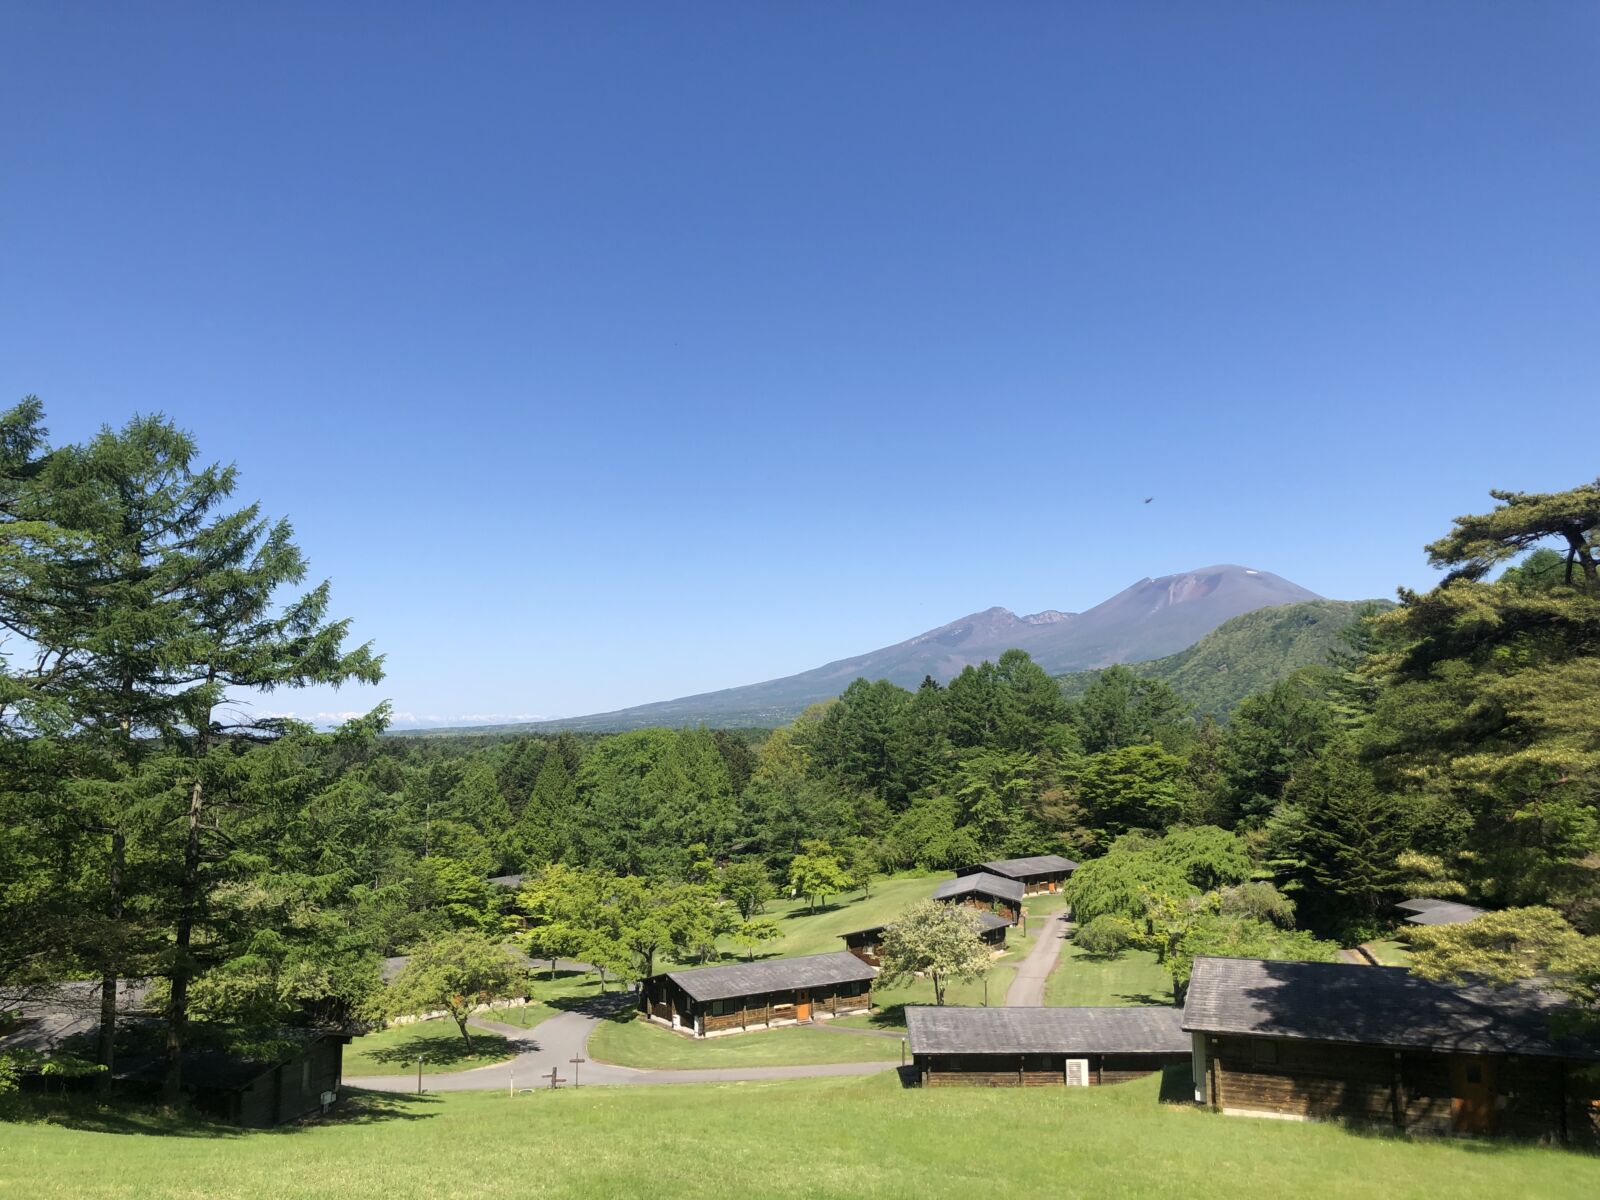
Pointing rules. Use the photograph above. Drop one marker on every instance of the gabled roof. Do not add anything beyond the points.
(989, 921)
(1373, 1006)
(774, 975)
(1022, 868)
(1439, 912)
(1153, 1030)
(981, 884)
(506, 881)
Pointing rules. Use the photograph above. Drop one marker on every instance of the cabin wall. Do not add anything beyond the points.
(1034, 1070)
(293, 1089)
(1416, 1091)
(667, 1004)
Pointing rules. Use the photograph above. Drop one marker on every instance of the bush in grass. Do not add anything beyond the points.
(1108, 934)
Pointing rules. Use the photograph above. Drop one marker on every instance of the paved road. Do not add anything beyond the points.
(555, 1042)
(1027, 990)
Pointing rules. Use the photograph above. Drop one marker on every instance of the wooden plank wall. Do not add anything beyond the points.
(1537, 1099)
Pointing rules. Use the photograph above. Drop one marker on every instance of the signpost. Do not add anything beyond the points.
(419, 1074)
(554, 1082)
(575, 1061)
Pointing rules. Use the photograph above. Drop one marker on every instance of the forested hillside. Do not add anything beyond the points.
(260, 869)
(1247, 654)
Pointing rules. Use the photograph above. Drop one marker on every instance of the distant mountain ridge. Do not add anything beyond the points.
(1150, 619)
(1247, 654)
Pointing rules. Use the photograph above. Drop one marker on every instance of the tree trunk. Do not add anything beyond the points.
(461, 1023)
(106, 1051)
(1578, 550)
(938, 988)
(183, 935)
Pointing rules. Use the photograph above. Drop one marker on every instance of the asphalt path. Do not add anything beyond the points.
(554, 1043)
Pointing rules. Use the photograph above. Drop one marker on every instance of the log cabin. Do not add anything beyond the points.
(867, 944)
(1036, 873)
(1379, 1045)
(983, 891)
(1042, 1047)
(709, 1001)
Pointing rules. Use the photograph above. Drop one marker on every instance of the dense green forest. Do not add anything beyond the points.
(260, 869)
(1247, 654)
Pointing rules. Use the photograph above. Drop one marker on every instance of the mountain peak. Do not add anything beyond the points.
(1150, 619)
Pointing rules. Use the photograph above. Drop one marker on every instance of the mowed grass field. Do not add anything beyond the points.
(1132, 977)
(394, 1051)
(641, 1044)
(856, 1138)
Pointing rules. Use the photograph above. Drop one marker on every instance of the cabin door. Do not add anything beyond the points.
(802, 1006)
(1472, 1105)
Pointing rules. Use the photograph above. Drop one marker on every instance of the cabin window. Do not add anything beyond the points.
(1263, 1053)
(1474, 1073)
(721, 1008)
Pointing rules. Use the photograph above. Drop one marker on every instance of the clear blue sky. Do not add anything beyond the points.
(603, 353)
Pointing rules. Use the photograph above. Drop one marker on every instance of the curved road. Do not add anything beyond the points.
(553, 1043)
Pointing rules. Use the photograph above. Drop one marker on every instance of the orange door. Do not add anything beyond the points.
(1472, 1106)
(802, 1006)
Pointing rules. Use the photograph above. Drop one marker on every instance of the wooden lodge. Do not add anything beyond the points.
(1379, 1045)
(708, 1001)
(1042, 1047)
(867, 944)
(992, 893)
(1036, 873)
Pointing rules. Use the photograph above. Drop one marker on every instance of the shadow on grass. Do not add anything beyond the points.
(890, 1016)
(611, 1006)
(1146, 999)
(442, 1052)
(90, 1115)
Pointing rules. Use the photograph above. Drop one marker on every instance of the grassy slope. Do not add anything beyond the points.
(856, 1138)
(803, 932)
(641, 1044)
(1133, 977)
(1244, 655)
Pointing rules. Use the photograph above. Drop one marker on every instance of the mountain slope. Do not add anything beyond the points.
(1152, 618)
(1247, 654)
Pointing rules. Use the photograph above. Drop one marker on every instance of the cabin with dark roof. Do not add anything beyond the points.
(1036, 873)
(983, 891)
(708, 1001)
(300, 1074)
(1040, 1047)
(1379, 1045)
(867, 944)
(1423, 911)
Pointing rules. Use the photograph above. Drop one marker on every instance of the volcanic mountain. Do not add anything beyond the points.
(1151, 619)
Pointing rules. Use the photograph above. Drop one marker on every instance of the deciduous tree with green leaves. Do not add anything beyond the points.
(937, 940)
(456, 972)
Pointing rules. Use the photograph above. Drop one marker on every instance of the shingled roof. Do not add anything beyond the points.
(1151, 1030)
(1438, 912)
(980, 884)
(1036, 864)
(1373, 1006)
(774, 975)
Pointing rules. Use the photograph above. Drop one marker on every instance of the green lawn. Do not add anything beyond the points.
(641, 1044)
(804, 932)
(394, 1051)
(1390, 953)
(850, 1137)
(1132, 977)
